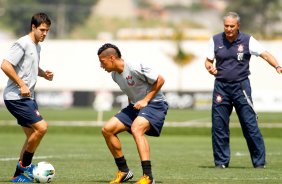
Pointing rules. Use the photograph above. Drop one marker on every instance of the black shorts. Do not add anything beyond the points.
(154, 112)
(24, 110)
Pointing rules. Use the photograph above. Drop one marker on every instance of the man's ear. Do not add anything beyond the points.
(33, 27)
(112, 57)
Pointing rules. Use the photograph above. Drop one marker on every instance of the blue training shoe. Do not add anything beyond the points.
(22, 178)
(26, 170)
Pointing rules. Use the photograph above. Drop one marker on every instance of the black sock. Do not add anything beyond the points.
(18, 171)
(27, 158)
(146, 166)
(121, 164)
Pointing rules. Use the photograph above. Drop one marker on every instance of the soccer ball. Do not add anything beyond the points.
(43, 172)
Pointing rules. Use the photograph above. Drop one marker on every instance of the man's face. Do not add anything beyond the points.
(231, 27)
(106, 62)
(40, 32)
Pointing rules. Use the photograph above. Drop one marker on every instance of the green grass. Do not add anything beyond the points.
(173, 115)
(181, 155)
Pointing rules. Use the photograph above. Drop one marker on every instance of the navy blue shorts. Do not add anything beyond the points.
(154, 112)
(24, 110)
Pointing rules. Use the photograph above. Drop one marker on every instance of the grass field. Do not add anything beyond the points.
(181, 155)
(88, 114)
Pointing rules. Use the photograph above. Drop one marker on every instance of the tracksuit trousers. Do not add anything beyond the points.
(225, 97)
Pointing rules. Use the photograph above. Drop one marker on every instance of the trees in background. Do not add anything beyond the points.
(65, 15)
(260, 17)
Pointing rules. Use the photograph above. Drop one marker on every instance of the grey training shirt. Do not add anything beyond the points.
(136, 81)
(24, 55)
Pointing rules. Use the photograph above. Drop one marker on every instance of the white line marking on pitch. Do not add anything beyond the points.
(240, 154)
(40, 157)
(17, 158)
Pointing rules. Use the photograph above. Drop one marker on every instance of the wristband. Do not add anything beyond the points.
(277, 67)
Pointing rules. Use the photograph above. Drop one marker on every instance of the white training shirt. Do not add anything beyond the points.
(24, 55)
(136, 81)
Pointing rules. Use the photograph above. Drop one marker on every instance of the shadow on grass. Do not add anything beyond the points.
(129, 182)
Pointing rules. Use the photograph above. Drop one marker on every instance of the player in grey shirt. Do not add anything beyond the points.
(145, 113)
(136, 81)
(22, 68)
(26, 67)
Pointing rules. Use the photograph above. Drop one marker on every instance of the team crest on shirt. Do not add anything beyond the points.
(240, 48)
(240, 54)
(218, 98)
(130, 81)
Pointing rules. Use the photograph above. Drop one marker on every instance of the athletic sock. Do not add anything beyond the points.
(121, 164)
(146, 166)
(27, 158)
(17, 172)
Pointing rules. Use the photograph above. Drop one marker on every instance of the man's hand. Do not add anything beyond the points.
(212, 70)
(25, 92)
(48, 75)
(140, 104)
(278, 69)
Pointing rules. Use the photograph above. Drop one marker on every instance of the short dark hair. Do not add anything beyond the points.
(107, 46)
(38, 19)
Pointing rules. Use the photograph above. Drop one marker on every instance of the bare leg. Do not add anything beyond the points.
(35, 135)
(139, 127)
(110, 131)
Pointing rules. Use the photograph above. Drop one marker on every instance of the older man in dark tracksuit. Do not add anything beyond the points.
(232, 51)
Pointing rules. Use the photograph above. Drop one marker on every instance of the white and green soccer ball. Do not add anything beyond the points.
(43, 172)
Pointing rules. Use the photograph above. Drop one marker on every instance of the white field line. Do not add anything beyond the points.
(241, 154)
(193, 123)
(42, 157)
(5, 159)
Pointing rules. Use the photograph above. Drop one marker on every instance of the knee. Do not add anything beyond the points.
(136, 131)
(106, 131)
(42, 130)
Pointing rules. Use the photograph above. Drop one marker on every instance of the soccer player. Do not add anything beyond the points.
(145, 113)
(232, 50)
(21, 65)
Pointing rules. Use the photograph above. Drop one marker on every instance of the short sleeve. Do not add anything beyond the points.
(210, 51)
(255, 47)
(15, 54)
(146, 73)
